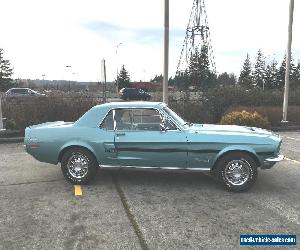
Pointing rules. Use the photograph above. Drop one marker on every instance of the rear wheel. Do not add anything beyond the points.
(79, 166)
(237, 171)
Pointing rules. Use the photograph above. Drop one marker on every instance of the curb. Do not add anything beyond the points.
(11, 140)
(287, 128)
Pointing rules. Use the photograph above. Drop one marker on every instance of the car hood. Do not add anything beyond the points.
(229, 129)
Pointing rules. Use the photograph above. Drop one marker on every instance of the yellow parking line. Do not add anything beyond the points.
(77, 189)
(291, 160)
(292, 138)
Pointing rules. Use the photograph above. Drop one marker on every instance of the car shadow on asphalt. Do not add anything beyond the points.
(154, 178)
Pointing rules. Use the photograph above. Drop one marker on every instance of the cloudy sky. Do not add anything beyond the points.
(44, 36)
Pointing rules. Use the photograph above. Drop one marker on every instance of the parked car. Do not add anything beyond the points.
(22, 92)
(134, 94)
(151, 135)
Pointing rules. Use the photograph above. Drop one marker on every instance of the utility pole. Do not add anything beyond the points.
(166, 53)
(103, 79)
(1, 119)
(288, 62)
(117, 83)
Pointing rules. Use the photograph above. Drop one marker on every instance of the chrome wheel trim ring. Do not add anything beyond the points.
(237, 172)
(78, 165)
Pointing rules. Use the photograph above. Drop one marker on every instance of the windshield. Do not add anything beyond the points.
(176, 117)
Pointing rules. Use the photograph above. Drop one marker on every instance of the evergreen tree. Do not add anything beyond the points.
(293, 74)
(271, 75)
(245, 78)
(296, 75)
(181, 80)
(194, 68)
(281, 73)
(204, 64)
(157, 78)
(226, 79)
(259, 70)
(199, 69)
(6, 72)
(123, 78)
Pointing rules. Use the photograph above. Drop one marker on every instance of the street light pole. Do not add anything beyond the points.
(117, 87)
(166, 53)
(288, 62)
(69, 66)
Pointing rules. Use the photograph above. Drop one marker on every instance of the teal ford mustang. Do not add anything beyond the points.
(151, 135)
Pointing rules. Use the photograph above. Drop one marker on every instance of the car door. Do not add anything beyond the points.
(139, 140)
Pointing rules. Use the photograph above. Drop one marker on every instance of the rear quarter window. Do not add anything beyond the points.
(108, 122)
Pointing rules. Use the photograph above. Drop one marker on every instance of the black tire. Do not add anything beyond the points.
(85, 174)
(237, 171)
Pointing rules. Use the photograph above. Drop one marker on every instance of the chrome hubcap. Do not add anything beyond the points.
(237, 172)
(78, 165)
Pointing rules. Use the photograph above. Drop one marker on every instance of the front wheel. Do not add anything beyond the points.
(78, 165)
(237, 171)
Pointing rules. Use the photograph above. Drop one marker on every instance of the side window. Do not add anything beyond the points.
(146, 119)
(108, 122)
(21, 91)
(123, 118)
(138, 119)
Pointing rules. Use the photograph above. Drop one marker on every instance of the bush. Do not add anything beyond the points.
(246, 119)
(272, 113)
(10, 124)
(55, 107)
(192, 111)
(211, 105)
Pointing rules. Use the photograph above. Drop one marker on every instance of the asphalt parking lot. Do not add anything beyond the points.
(133, 209)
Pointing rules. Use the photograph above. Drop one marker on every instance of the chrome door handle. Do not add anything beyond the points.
(120, 134)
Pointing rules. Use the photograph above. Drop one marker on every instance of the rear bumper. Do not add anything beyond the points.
(270, 162)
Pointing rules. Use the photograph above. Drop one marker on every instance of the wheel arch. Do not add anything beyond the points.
(85, 147)
(251, 153)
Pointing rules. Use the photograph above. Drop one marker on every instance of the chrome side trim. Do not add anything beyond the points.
(275, 159)
(167, 168)
(198, 169)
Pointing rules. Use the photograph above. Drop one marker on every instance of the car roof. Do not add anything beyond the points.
(136, 104)
(95, 115)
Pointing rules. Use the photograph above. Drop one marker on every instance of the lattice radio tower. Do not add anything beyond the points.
(197, 35)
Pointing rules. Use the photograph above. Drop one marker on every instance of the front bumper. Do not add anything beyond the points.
(275, 159)
(270, 162)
